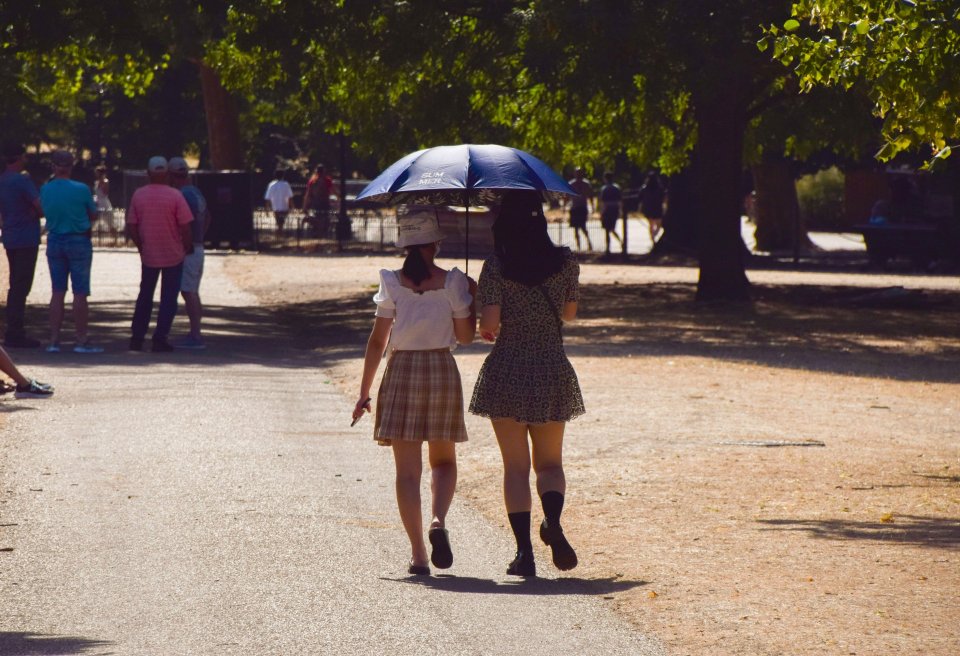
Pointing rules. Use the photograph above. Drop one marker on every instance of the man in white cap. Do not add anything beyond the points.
(70, 211)
(158, 222)
(193, 262)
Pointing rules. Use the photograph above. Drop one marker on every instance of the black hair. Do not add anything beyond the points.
(12, 150)
(414, 266)
(279, 174)
(521, 242)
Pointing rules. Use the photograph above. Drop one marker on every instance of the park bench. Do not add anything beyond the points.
(922, 243)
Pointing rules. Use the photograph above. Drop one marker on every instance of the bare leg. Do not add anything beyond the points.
(194, 309)
(81, 317)
(56, 315)
(512, 438)
(7, 367)
(655, 226)
(547, 442)
(443, 479)
(551, 485)
(409, 465)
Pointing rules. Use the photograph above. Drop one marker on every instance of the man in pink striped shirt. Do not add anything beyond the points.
(158, 222)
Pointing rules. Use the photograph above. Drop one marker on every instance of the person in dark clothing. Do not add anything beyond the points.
(21, 211)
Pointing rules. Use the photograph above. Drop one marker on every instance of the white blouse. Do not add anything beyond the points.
(423, 321)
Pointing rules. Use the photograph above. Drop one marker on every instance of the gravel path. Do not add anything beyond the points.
(216, 503)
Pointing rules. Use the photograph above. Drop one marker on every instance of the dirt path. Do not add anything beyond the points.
(778, 479)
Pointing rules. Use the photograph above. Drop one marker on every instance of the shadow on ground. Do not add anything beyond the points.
(817, 328)
(15, 643)
(530, 586)
(813, 328)
(933, 532)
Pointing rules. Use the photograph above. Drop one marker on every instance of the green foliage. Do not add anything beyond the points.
(821, 197)
(905, 53)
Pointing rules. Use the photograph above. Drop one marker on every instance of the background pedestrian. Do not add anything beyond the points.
(278, 197)
(193, 261)
(580, 207)
(20, 211)
(70, 213)
(158, 222)
(610, 199)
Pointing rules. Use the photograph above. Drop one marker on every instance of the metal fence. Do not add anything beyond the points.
(375, 227)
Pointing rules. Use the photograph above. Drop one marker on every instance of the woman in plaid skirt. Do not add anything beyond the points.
(423, 311)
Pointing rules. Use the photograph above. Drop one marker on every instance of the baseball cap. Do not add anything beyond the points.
(177, 165)
(417, 227)
(62, 158)
(157, 164)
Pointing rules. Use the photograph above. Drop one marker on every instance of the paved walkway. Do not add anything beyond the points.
(217, 503)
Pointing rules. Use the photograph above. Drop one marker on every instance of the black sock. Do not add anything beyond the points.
(552, 507)
(520, 523)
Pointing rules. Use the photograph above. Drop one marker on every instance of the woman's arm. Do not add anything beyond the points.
(569, 312)
(490, 322)
(466, 329)
(376, 345)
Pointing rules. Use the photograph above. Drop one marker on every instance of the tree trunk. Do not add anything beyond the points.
(680, 219)
(779, 224)
(718, 166)
(223, 122)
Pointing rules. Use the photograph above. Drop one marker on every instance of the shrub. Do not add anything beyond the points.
(821, 199)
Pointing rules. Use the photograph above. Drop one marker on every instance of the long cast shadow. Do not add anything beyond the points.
(531, 586)
(16, 643)
(811, 328)
(931, 532)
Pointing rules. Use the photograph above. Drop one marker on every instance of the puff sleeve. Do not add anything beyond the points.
(490, 285)
(386, 307)
(458, 292)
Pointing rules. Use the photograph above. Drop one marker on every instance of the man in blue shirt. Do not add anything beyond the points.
(69, 208)
(21, 211)
(193, 262)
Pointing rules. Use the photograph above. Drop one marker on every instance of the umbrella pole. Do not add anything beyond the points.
(466, 220)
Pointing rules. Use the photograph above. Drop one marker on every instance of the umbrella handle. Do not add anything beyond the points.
(466, 233)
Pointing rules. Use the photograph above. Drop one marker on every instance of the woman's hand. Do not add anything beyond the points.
(488, 336)
(362, 406)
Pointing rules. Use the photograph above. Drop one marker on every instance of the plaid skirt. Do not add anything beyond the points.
(420, 399)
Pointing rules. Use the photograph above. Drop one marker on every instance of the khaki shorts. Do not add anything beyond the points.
(192, 270)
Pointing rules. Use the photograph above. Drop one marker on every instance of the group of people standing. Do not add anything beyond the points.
(166, 219)
(609, 202)
(527, 388)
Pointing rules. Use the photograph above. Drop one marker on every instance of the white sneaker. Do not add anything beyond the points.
(53, 348)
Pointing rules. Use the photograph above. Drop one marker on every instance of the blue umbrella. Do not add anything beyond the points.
(465, 175)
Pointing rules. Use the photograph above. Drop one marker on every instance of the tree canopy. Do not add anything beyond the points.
(904, 53)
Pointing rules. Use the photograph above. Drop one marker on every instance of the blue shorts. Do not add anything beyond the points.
(70, 255)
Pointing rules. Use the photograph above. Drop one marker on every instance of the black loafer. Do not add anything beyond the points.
(564, 557)
(418, 570)
(522, 565)
(441, 556)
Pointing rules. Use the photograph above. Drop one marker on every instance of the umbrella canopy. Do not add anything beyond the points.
(465, 175)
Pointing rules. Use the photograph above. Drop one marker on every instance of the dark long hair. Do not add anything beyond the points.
(414, 266)
(521, 242)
